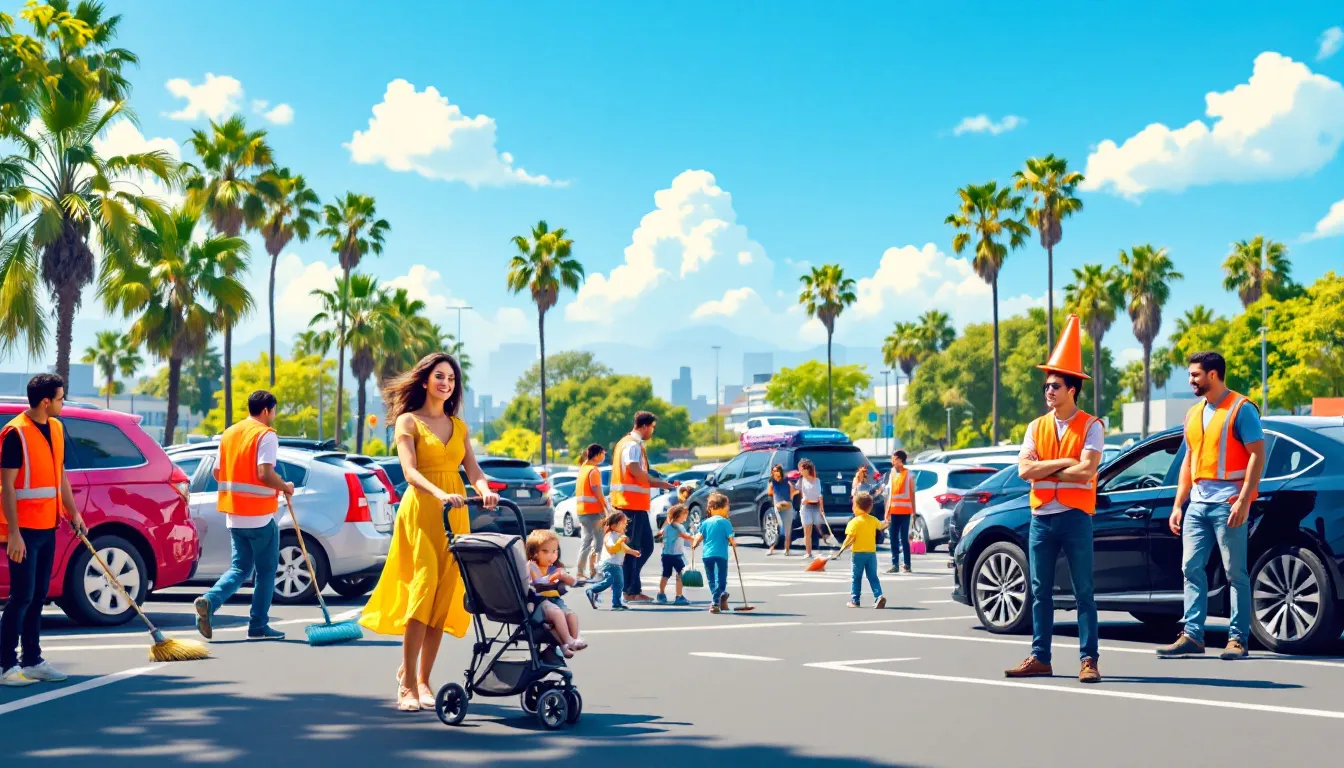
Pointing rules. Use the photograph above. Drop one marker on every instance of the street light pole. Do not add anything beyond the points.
(717, 405)
(949, 426)
(886, 407)
(459, 323)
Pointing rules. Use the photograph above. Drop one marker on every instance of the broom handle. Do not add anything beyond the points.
(740, 583)
(317, 588)
(108, 573)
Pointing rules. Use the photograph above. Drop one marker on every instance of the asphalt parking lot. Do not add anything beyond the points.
(802, 680)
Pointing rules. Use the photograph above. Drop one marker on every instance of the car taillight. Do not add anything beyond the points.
(358, 510)
(496, 485)
(381, 474)
(181, 483)
(542, 487)
(947, 498)
(983, 497)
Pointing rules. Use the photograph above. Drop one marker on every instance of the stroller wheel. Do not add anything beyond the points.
(575, 702)
(552, 709)
(451, 704)
(530, 697)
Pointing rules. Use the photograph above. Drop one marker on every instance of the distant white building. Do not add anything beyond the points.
(153, 413)
(1162, 414)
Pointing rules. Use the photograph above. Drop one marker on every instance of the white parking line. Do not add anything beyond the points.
(748, 624)
(742, 656)
(812, 594)
(241, 628)
(60, 693)
(855, 666)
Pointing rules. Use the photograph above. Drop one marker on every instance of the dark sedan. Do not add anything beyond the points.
(1004, 485)
(1296, 542)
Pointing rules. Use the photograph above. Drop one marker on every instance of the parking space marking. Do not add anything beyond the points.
(812, 594)
(748, 624)
(240, 628)
(60, 693)
(741, 656)
(859, 666)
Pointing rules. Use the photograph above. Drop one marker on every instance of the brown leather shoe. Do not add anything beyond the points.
(1030, 667)
(1234, 650)
(1184, 646)
(1089, 672)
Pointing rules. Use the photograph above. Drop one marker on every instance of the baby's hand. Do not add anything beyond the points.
(634, 552)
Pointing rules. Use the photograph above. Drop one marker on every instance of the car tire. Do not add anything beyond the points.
(1000, 589)
(89, 599)
(293, 583)
(919, 530)
(693, 517)
(770, 525)
(569, 527)
(352, 586)
(1293, 608)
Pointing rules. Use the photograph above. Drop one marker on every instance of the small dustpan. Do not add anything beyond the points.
(691, 577)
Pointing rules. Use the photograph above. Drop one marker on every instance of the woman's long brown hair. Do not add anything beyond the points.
(407, 392)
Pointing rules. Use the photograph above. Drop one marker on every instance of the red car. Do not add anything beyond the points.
(134, 502)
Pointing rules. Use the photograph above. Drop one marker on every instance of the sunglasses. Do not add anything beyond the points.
(1051, 386)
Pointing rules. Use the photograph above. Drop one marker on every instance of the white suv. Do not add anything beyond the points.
(938, 488)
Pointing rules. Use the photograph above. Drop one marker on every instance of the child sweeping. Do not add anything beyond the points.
(548, 574)
(861, 536)
(615, 547)
(717, 534)
(674, 538)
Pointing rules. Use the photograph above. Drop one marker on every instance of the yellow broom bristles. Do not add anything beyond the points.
(178, 650)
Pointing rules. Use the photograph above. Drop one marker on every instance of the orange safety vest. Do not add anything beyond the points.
(1049, 445)
(900, 493)
(241, 491)
(37, 486)
(1224, 458)
(588, 491)
(627, 492)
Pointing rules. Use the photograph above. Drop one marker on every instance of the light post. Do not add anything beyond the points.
(717, 405)
(949, 426)
(459, 323)
(886, 407)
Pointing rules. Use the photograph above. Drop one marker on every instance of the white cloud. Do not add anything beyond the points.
(480, 332)
(123, 138)
(1331, 225)
(733, 302)
(1129, 355)
(1331, 41)
(1286, 121)
(422, 131)
(295, 280)
(983, 124)
(281, 114)
(217, 96)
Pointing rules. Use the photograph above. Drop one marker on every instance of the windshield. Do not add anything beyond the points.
(968, 478)
(510, 470)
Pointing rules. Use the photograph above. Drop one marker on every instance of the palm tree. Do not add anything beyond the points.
(232, 263)
(1147, 274)
(355, 232)
(1095, 295)
(311, 343)
(1244, 275)
(826, 293)
(543, 265)
(416, 336)
(936, 330)
(291, 211)
(904, 347)
(70, 195)
(985, 216)
(1194, 317)
(363, 307)
(230, 191)
(1054, 199)
(107, 355)
(174, 288)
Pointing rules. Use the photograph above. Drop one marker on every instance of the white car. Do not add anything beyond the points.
(344, 509)
(567, 517)
(938, 488)
(759, 422)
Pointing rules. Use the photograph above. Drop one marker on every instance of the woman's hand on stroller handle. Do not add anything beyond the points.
(453, 500)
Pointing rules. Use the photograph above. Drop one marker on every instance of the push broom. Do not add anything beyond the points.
(164, 648)
(819, 563)
(745, 606)
(328, 632)
(691, 577)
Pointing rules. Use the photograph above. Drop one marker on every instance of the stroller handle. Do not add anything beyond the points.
(475, 501)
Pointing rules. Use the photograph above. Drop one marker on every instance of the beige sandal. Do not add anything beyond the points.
(426, 696)
(406, 700)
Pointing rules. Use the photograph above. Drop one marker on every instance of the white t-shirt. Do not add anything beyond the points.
(617, 557)
(267, 450)
(1095, 442)
(810, 490)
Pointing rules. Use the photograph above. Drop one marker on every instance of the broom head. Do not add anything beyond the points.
(819, 564)
(333, 633)
(168, 649)
(692, 578)
(744, 608)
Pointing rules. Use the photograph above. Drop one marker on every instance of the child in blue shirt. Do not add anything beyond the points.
(717, 534)
(674, 561)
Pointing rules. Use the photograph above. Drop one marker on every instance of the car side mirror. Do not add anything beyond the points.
(1103, 501)
(712, 480)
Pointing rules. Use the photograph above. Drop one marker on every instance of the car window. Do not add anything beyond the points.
(924, 479)
(1334, 433)
(292, 473)
(189, 465)
(1145, 469)
(508, 470)
(753, 423)
(1286, 458)
(393, 470)
(831, 461)
(98, 445)
(733, 469)
(1014, 481)
(755, 464)
(966, 479)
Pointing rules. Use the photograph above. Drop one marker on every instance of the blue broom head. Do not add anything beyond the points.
(331, 634)
(692, 578)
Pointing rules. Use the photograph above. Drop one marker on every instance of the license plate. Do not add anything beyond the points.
(382, 512)
(523, 494)
(839, 490)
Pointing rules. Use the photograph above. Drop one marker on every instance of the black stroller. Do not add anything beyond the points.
(494, 571)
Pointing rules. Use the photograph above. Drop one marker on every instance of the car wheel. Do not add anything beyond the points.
(1001, 590)
(293, 583)
(571, 530)
(353, 586)
(90, 597)
(1293, 609)
(770, 524)
(919, 531)
(693, 517)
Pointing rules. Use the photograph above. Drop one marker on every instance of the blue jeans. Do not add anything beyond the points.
(716, 572)
(1202, 527)
(613, 578)
(899, 533)
(1069, 532)
(863, 564)
(28, 582)
(254, 550)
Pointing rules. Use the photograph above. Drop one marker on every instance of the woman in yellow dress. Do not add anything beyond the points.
(420, 594)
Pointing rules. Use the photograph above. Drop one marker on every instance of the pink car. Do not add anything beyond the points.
(134, 501)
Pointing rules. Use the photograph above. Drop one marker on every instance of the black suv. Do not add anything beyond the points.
(1004, 485)
(746, 482)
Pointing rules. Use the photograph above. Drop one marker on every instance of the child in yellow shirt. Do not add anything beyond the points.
(861, 537)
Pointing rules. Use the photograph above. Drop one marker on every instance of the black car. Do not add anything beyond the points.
(519, 482)
(1004, 485)
(1296, 548)
(746, 482)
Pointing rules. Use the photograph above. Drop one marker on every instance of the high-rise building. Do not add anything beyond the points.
(755, 363)
(681, 388)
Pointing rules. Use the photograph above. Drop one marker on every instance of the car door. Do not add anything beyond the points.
(746, 490)
(728, 478)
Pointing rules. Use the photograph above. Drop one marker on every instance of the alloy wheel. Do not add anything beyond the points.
(770, 529)
(1287, 598)
(291, 574)
(102, 594)
(569, 526)
(1001, 589)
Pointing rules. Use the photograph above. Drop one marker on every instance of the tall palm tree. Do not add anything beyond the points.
(904, 347)
(416, 336)
(1095, 295)
(543, 265)
(355, 230)
(363, 309)
(108, 355)
(174, 289)
(1148, 272)
(233, 159)
(826, 293)
(1243, 273)
(291, 211)
(232, 264)
(935, 328)
(1193, 318)
(313, 343)
(73, 198)
(985, 218)
(1054, 198)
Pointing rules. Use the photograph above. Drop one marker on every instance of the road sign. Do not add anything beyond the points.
(872, 415)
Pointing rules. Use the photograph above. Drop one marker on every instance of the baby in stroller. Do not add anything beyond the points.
(550, 581)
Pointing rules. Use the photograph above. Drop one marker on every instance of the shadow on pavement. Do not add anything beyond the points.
(1213, 682)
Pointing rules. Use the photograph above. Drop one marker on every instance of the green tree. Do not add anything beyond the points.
(1148, 273)
(1243, 273)
(561, 367)
(1190, 332)
(199, 381)
(705, 432)
(233, 264)
(361, 308)
(935, 328)
(606, 413)
(856, 423)
(291, 210)
(1054, 198)
(904, 347)
(818, 391)
(412, 337)
(517, 443)
(543, 265)
(355, 230)
(1096, 296)
(826, 293)
(227, 191)
(113, 353)
(297, 384)
(985, 219)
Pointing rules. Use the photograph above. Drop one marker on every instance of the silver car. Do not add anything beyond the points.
(343, 508)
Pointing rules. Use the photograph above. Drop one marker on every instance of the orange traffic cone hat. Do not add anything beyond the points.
(1068, 355)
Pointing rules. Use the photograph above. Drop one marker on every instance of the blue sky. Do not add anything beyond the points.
(813, 133)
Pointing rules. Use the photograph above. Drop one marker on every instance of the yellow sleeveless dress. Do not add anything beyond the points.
(420, 578)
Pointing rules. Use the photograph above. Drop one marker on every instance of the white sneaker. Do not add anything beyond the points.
(44, 672)
(15, 678)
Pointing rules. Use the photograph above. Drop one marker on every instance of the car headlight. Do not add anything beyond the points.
(970, 526)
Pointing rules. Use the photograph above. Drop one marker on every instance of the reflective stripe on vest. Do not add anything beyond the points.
(247, 489)
(240, 489)
(589, 498)
(1224, 458)
(37, 485)
(1050, 445)
(901, 501)
(627, 492)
